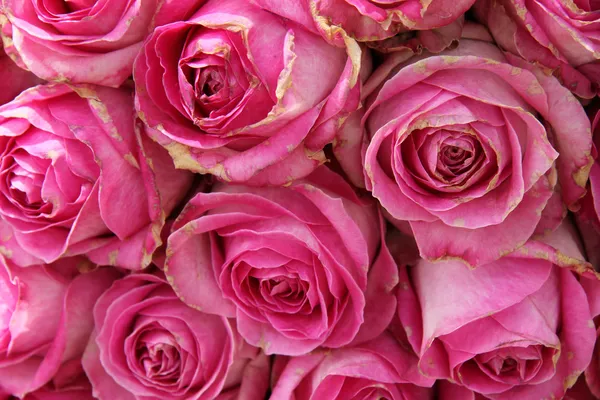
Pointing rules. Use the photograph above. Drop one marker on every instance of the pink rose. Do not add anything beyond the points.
(580, 391)
(379, 369)
(592, 373)
(454, 146)
(562, 36)
(290, 263)
(518, 328)
(373, 20)
(84, 41)
(45, 322)
(150, 345)
(244, 94)
(79, 176)
(588, 216)
(69, 383)
(13, 80)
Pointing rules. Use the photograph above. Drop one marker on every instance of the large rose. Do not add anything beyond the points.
(45, 322)
(13, 80)
(77, 175)
(290, 263)
(518, 328)
(150, 345)
(561, 35)
(84, 41)
(374, 20)
(459, 145)
(244, 94)
(379, 369)
(588, 216)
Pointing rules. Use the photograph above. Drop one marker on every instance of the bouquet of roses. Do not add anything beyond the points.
(299, 199)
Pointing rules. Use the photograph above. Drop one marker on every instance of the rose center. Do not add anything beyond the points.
(457, 158)
(159, 361)
(508, 365)
(385, 4)
(27, 189)
(212, 83)
(372, 393)
(24, 184)
(77, 5)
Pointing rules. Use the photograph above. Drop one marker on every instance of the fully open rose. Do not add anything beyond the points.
(463, 145)
(290, 263)
(244, 94)
(518, 328)
(378, 369)
(148, 344)
(84, 41)
(77, 175)
(561, 35)
(45, 323)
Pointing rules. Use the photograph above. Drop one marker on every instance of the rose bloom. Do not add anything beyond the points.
(290, 263)
(150, 345)
(13, 80)
(588, 216)
(518, 328)
(45, 322)
(374, 20)
(77, 175)
(592, 373)
(244, 94)
(452, 143)
(562, 36)
(84, 41)
(69, 383)
(379, 369)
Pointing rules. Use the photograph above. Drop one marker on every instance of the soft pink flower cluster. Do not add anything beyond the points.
(299, 199)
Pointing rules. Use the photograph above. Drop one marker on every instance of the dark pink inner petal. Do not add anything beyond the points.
(514, 365)
(159, 357)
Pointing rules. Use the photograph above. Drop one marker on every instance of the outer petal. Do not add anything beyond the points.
(474, 247)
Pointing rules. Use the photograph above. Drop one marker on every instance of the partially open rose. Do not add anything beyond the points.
(245, 94)
(588, 216)
(77, 175)
(45, 323)
(561, 35)
(148, 344)
(518, 328)
(84, 41)
(373, 20)
(299, 267)
(463, 145)
(378, 369)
